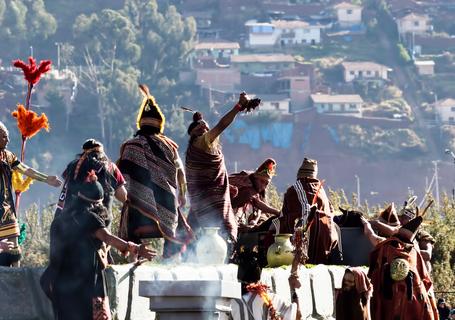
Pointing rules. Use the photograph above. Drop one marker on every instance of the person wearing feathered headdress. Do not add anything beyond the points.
(9, 227)
(208, 183)
(156, 183)
(424, 241)
(402, 286)
(247, 189)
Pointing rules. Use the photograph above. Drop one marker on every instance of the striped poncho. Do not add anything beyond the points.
(208, 189)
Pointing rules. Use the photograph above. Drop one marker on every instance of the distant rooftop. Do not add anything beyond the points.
(264, 58)
(217, 45)
(346, 5)
(413, 16)
(340, 98)
(290, 24)
(446, 103)
(279, 24)
(424, 63)
(363, 65)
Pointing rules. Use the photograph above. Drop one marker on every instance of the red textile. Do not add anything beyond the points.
(362, 283)
(323, 236)
(208, 191)
(407, 299)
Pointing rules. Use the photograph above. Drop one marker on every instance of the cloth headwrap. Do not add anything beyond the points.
(389, 216)
(89, 146)
(362, 283)
(197, 119)
(266, 169)
(149, 112)
(309, 168)
(4, 128)
(91, 190)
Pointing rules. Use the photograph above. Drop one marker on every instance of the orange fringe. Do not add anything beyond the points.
(261, 290)
(28, 122)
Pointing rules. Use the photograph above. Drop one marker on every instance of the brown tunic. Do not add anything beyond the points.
(323, 235)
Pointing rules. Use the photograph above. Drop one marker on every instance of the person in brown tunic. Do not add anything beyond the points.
(248, 195)
(401, 282)
(207, 178)
(353, 301)
(306, 192)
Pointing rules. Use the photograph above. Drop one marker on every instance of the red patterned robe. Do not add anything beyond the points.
(408, 299)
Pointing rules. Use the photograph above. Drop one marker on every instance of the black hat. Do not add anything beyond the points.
(91, 190)
(409, 230)
(91, 143)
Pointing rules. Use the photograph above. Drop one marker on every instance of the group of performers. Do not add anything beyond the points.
(153, 184)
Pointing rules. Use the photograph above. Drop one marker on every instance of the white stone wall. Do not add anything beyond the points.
(21, 297)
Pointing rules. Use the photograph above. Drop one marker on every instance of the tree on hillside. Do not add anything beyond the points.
(124, 47)
(23, 23)
(165, 38)
(110, 53)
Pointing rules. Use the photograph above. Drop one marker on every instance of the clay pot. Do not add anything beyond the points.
(280, 253)
(211, 247)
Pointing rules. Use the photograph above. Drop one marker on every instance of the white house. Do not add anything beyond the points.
(282, 33)
(348, 14)
(364, 71)
(275, 103)
(413, 24)
(341, 104)
(445, 110)
(425, 67)
(216, 49)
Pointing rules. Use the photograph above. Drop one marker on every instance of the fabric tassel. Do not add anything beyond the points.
(19, 183)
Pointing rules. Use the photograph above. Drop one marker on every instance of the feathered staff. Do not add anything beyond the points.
(262, 290)
(28, 122)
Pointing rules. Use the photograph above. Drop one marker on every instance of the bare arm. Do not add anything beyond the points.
(53, 181)
(371, 235)
(121, 194)
(261, 205)
(225, 121)
(426, 250)
(104, 235)
(384, 228)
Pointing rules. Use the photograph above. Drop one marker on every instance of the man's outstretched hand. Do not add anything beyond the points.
(248, 104)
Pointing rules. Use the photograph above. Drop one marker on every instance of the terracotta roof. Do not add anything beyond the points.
(346, 5)
(264, 58)
(341, 98)
(446, 103)
(413, 16)
(217, 45)
(293, 24)
(362, 65)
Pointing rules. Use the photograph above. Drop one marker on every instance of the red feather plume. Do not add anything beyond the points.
(32, 73)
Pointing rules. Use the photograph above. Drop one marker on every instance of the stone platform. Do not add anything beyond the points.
(21, 294)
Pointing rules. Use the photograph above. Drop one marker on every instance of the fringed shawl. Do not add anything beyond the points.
(208, 189)
(148, 166)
